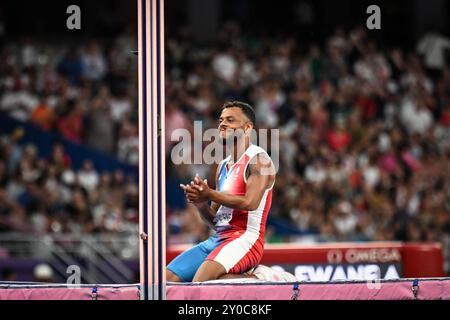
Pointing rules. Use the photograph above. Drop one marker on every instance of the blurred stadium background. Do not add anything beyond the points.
(364, 119)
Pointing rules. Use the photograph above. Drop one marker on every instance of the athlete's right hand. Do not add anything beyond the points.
(192, 194)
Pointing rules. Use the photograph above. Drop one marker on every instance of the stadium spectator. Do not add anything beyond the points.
(94, 64)
(43, 114)
(71, 67)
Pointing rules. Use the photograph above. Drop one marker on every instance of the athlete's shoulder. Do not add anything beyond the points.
(260, 162)
(253, 150)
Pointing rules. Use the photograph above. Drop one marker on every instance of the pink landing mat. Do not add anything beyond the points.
(401, 289)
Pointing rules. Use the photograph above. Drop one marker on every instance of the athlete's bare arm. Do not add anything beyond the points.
(260, 177)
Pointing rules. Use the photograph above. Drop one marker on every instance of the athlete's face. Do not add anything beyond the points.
(233, 122)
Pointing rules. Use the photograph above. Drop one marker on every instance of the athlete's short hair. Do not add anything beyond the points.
(245, 107)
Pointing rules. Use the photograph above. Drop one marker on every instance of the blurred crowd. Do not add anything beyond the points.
(86, 93)
(40, 196)
(364, 131)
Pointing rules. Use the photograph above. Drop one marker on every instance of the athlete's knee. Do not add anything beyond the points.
(204, 276)
(172, 277)
(209, 270)
(227, 276)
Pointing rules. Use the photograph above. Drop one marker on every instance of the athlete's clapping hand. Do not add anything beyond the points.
(197, 191)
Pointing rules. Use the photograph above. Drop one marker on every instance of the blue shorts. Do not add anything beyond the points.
(186, 264)
(237, 252)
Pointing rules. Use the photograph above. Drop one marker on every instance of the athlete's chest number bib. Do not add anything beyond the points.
(223, 217)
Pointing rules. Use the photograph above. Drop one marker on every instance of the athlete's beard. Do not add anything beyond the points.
(234, 138)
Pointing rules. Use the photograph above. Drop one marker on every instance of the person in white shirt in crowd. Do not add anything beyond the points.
(94, 63)
(87, 176)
